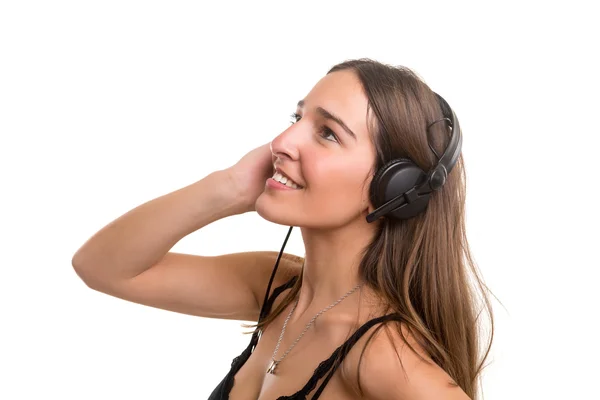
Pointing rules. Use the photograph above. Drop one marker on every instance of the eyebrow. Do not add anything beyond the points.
(327, 115)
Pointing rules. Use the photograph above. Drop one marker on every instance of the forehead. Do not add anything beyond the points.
(342, 94)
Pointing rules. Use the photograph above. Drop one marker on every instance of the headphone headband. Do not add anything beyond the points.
(452, 152)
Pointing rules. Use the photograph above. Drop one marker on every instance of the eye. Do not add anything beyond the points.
(324, 131)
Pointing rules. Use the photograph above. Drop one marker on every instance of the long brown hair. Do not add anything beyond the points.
(421, 267)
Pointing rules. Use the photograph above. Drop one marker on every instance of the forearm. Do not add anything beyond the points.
(137, 240)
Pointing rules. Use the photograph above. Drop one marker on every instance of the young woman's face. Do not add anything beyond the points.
(329, 153)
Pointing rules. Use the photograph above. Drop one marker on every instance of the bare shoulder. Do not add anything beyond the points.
(384, 367)
(290, 265)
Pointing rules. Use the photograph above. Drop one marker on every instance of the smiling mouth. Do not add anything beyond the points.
(279, 177)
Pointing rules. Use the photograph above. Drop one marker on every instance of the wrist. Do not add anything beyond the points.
(228, 191)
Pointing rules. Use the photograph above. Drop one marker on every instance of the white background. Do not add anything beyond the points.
(106, 105)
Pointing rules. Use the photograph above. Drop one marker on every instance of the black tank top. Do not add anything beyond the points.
(325, 369)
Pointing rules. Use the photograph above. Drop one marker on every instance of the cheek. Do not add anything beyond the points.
(337, 184)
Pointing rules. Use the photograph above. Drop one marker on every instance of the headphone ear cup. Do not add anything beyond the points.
(394, 179)
(377, 188)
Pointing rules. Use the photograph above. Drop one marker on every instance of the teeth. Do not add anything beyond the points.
(285, 180)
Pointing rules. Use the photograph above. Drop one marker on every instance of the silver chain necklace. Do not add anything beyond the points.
(273, 365)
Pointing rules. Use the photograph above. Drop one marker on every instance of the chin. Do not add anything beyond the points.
(268, 211)
(276, 219)
(277, 212)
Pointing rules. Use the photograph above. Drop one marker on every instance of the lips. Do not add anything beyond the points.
(285, 177)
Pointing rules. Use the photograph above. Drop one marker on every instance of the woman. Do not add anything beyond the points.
(378, 309)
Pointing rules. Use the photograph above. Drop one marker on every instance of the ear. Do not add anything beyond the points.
(366, 203)
(366, 193)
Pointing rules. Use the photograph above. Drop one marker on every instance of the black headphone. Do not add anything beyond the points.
(401, 189)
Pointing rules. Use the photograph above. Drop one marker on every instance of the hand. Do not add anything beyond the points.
(250, 173)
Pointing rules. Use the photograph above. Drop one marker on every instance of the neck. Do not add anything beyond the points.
(330, 271)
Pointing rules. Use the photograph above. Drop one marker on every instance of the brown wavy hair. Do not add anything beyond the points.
(421, 267)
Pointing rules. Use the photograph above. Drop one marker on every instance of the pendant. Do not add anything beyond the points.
(272, 366)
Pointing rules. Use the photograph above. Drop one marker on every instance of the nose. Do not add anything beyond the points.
(286, 144)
